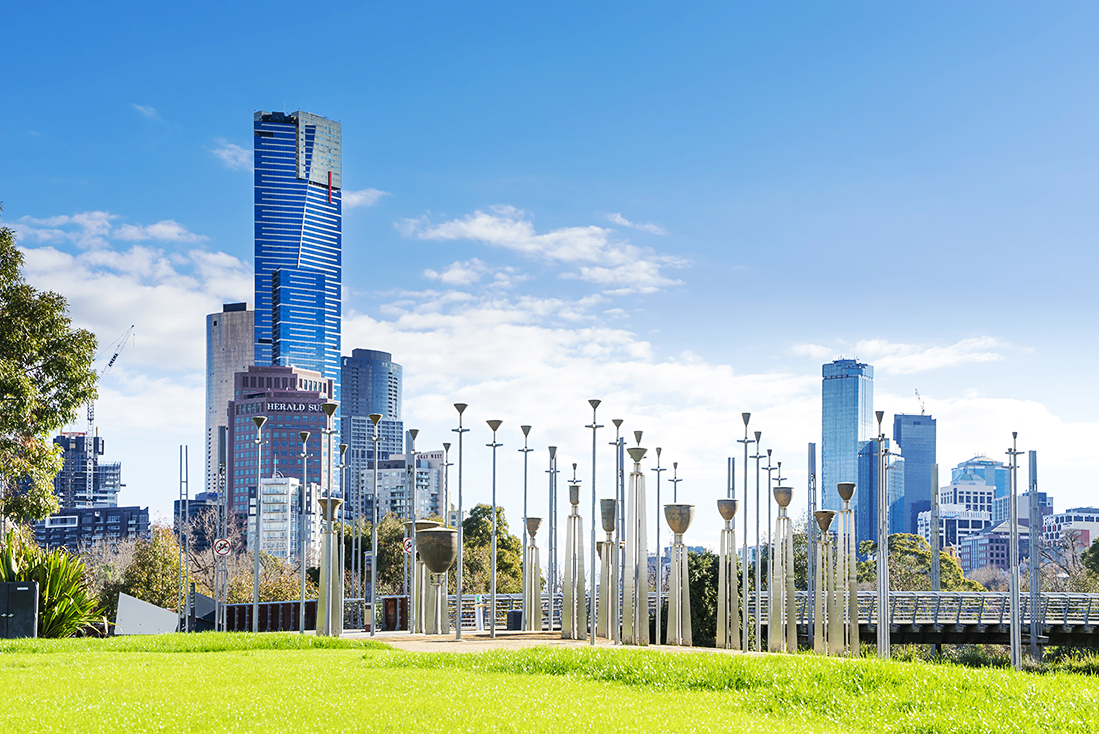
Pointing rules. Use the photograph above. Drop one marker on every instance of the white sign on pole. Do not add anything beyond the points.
(408, 545)
(222, 546)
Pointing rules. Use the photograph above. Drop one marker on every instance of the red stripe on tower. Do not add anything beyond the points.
(329, 187)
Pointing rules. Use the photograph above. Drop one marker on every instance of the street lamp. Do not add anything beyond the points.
(594, 429)
(659, 551)
(759, 577)
(461, 408)
(616, 552)
(341, 561)
(259, 420)
(744, 561)
(1013, 549)
(302, 501)
(884, 621)
(330, 621)
(374, 418)
(414, 616)
(446, 485)
(525, 451)
(495, 426)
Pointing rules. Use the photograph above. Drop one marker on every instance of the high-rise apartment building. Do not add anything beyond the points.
(371, 383)
(298, 242)
(71, 483)
(393, 487)
(290, 399)
(847, 421)
(230, 348)
(915, 436)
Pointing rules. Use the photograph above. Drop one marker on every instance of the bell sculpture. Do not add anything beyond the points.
(635, 584)
(679, 518)
(532, 580)
(827, 622)
(728, 594)
(608, 571)
(330, 599)
(574, 608)
(846, 576)
(782, 631)
(420, 608)
(438, 549)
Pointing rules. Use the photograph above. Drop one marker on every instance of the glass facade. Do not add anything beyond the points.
(915, 435)
(371, 383)
(71, 483)
(298, 242)
(994, 473)
(866, 491)
(847, 420)
(230, 344)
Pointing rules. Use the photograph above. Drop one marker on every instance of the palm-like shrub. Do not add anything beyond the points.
(65, 603)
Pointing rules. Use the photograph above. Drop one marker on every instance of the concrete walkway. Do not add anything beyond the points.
(476, 641)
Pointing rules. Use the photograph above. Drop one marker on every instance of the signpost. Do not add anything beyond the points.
(222, 546)
(408, 545)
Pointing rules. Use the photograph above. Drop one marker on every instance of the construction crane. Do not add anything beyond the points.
(89, 438)
(921, 402)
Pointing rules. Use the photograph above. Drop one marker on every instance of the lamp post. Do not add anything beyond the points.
(552, 560)
(675, 480)
(659, 551)
(884, 621)
(1035, 522)
(1013, 549)
(329, 620)
(414, 616)
(461, 408)
(374, 418)
(525, 451)
(495, 426)
(259, 420)
(744, 559)
(594, 429)
(811, 545)
(341, 561)
(302, 503)
(446, 485)
(759, 576)
(616, 551)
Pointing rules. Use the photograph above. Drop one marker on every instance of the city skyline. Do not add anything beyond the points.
(526, 268)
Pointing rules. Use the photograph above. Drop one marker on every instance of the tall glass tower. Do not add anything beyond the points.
(847, 420)
(298, 242)
(371, 383)
(915, 434)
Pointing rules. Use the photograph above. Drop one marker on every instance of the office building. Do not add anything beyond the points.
(290, 398)
(847, 421)
(230, 348)
(991, 547)
(1001, 508)
(915, 436)
(865, 501)
(201, 512)
(370, 382)
(965, 508)
(72, 485)
(993, 473)
(298, 242)
(280, 522)
(1076, 527)
(78, 528)
(393, 487)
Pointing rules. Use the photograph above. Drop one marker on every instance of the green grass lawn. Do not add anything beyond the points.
(283, 683)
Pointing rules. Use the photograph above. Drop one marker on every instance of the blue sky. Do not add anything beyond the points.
(684, 210)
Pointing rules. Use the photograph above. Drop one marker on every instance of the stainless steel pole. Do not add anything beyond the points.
(494, 425)
(259, 420)
(1034, 535)
(591, 593)
(933, 532)
(884, 611)
(303, 498)
(812, 530)
(758, 574)
(374, 418)
(659, 551)
(744, 555)
(461, 408)
(525, 451)
(1013, 549)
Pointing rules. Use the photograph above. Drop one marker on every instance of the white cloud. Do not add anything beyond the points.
(233, 156)
(93, 230)
(618, 266)
(897, 358)
(166, 230)
(468, 272)
(147, 110)
(622, 221)
(362, 198)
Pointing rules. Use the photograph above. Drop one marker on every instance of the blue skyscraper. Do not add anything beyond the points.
(371, 383)
(847, 421)
(865, 501)
(298, 242)
(915, 435)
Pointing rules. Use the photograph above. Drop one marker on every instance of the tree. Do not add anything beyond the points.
(153, 574)
(477, 538)
(910, 566)
(45, 376)
(702, 572)
(1090, 558)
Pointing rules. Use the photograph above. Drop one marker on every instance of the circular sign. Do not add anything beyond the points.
(408, 545)
(222, 546)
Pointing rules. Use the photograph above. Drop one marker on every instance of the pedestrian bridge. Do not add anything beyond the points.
(958, 618)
